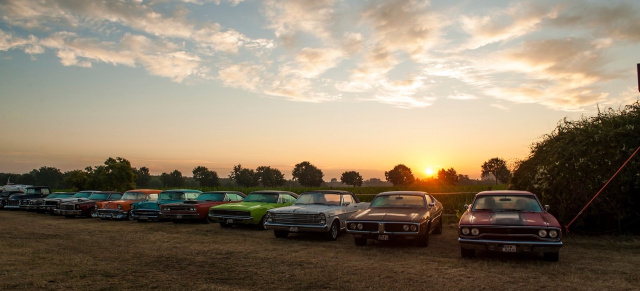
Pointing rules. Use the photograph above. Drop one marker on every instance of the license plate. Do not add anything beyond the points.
(383, 237)
(179, 216)
(229, 221)
(509, 248)
(143, 217)
(293, 229)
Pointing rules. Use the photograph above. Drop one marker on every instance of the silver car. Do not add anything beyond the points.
(323, 211)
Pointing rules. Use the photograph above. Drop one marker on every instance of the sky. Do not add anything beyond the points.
(346, 85)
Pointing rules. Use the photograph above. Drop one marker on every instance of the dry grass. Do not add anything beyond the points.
(47, 252)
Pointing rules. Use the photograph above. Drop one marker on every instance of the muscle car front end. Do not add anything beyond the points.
(252, 209)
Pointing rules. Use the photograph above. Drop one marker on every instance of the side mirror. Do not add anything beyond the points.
(546, 207)
(466, 206)
(347, 203)
(432, 204)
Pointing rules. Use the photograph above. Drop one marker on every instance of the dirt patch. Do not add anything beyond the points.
(51, 252)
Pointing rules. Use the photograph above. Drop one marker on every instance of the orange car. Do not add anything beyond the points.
(119, 209)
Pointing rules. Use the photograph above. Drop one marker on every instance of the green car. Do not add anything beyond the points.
(252, 209)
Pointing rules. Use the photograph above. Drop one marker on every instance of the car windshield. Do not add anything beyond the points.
(33, 191)
(262, 197)
(171, 196)
(507, 203)
(399, 200)
(133, 196)
(210, 197)
(318, 198)
(66, 195)
(53, 195)
(99, 196)
(81, 195)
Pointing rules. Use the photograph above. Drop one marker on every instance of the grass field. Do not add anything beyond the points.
(40, 251)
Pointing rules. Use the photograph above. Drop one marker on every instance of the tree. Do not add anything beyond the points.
(498, 168)
(206, 177)
(448, 177)
(307, 175)
(172, 180)
(352, 178)
(119, 175)
(400, 176)
(244, 177)
(270, 177)
(143, 177)
(76, 179)
(48, 176)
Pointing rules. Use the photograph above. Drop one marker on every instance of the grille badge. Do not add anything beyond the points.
(381, 227)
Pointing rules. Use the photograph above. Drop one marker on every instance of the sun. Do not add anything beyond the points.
(428, 171)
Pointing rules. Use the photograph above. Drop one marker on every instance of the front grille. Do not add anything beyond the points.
(107, 211)
(291, 218)
(230, 212)
(67, 206)
(13, 203)
(146, 212)
(50, 203)
(178, 208)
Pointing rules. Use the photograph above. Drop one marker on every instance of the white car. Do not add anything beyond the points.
(324, 211)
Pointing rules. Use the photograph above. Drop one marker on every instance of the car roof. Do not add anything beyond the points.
(182, 190)
(222, 192)
(274, 192)
(145, 191)
(327, 191)
(505, 192)
(416, 193)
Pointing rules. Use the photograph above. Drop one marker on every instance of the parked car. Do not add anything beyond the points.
(252, 209)
(50, 204)
(120, 209)
(20, 200)
(509, 222)
(37, 204)
(397, 215)
(4, 196)
(324, 211)
(85, 207)
(150, 210)
(198, 209)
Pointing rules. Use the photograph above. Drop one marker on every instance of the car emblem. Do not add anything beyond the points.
(380, 227)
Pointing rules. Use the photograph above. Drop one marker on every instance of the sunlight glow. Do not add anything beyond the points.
(429, 172)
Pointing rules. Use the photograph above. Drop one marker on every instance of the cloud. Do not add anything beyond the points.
(245, 75)
(288, 18)
(312, 62)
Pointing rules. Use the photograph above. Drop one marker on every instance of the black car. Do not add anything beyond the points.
(20, 200)
(4, 196)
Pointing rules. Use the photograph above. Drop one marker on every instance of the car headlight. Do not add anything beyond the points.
(553, 233)
(192, 209)
(405, 227)
(542, 233)
(269, 217)
(475, 231)
(413, 227)
(465, 231)
(119, 206)
(352, 225)
(360, 226)
(322, 219)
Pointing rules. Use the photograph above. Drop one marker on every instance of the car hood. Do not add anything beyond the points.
(67, 200)
(509, 218)
(305, 209)
(114, 204)
(155, 204)
(390, 214)
(248, 206)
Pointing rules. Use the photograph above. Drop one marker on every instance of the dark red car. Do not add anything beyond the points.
(85, 207)
(198, 209)
(510, 222)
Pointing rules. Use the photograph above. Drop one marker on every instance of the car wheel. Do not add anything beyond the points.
(280, 233)
(360, 241)
(224, 224)
(552, 257)
(262, 222)
(423, 240)
(438, 229)
(333, 231)
(467, 253)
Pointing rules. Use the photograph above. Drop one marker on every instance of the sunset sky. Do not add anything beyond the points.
(345, 85)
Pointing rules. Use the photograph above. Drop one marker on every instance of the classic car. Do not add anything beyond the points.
(4, 196)
(150, 210)
(120, 209)
(198, 209)
(397, 215)
(85, 207)
(51, 204)
(511, 222)
(37, 204)
(20, 200)
(324, 211)
(252, 209)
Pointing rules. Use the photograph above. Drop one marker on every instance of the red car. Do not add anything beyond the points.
(509, 222)
(198, 209)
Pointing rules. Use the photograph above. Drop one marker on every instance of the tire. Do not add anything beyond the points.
(280, 233)
(438, 229)
(551, 257)
(334, 231)
(262, 222)
(423, 240)
(225, 225)
(360, 241)
(467, 253)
